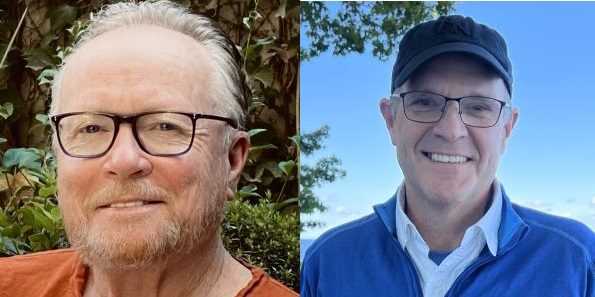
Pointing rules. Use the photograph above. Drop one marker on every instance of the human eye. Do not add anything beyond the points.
(85, 125)
(165, 124)
(163, 127)
(90, 129)
(479, 106)
(422, 101)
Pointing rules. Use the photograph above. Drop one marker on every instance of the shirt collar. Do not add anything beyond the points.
(405, 227)
(488, 224)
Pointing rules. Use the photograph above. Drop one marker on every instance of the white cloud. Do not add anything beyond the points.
(343, 210)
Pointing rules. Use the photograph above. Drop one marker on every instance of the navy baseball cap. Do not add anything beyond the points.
(447, 34)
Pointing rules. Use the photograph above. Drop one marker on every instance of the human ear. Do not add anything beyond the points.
(237, 155)
(388, 113)
(509, 126)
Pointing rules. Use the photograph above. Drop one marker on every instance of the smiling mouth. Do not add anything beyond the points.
(136, 203)
(446, 158)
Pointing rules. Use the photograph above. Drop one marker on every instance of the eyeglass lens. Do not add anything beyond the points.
(429, 107)
(93, 134)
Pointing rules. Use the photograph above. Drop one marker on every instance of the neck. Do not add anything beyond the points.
(443, 225)
(207, 271)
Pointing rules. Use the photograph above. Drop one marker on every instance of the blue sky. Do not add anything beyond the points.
(549, 163)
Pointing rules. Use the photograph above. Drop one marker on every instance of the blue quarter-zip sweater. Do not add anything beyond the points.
(538, 255)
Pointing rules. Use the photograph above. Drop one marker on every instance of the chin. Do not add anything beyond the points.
(448, 192)
(128, 247)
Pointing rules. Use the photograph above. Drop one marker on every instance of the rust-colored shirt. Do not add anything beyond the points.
(61, 273)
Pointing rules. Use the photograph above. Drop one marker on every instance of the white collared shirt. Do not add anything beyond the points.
(435, 279)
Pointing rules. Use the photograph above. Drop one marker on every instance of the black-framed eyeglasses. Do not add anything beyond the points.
(428, 107)
(158, 133)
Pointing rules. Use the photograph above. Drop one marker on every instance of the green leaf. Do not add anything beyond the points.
(265, 76)
(3, 219)
(246, 191)
(262, 147)
(39, 241)
(291, 202)
(287, 166)
(77, 29)
(46, 76)
(6, 110)
(295, 139)
(34, 216)
(254, 104)
(22, 158)
(19, 106)
(249, 188)
(42, 118)
(9, 245)
(12, 230)
(251, 48)
(252, 17)
(61, 15)
(266, 40)
(250, 179)
(48, 38)
(255, 131)
(39, 58)
(45, 192)
(55, 214)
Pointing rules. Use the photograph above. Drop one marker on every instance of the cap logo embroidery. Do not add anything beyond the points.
(453, 26)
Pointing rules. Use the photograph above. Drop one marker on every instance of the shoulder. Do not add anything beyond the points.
(353, 234)
(561, 230)
(51, 272)
(562, 226)
(263, 285)
(41, 261)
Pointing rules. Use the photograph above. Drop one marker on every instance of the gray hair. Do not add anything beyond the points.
(230, 90)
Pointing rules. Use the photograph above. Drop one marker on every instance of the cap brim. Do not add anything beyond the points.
(453, 47)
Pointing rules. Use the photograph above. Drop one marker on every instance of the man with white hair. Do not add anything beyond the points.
(148, 116)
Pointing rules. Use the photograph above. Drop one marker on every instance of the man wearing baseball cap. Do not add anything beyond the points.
(450, 229)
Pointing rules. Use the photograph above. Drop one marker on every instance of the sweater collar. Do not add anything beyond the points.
(511, 229)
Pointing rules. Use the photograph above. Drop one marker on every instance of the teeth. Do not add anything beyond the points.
(126, 204)
(447, 158)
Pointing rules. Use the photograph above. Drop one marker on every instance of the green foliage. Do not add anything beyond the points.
(30, 219)
(265, 237)
(355, 25)
(271, 62)
(326, 170)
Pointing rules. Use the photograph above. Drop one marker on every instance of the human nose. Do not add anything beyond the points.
(125, 159)
(450, 126)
